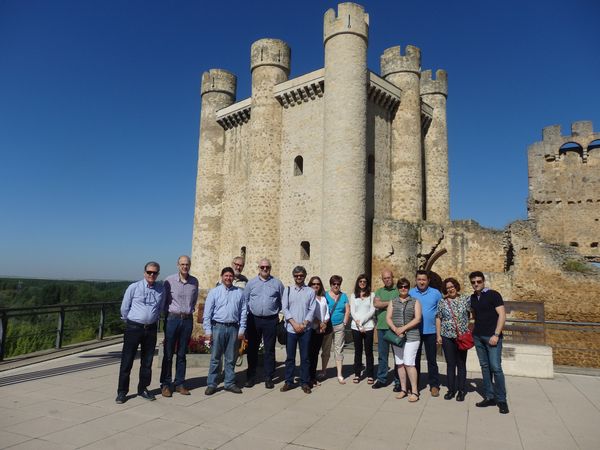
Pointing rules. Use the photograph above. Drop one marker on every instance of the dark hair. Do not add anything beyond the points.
(152, 264)
(299, 269)
(362, 276)
(402, 281)
(454, 281)
(335, 278)
(423, 272)
(476, 274)
(321, 291)
(227, 270)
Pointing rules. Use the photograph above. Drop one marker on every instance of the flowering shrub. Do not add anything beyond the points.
(199, 345)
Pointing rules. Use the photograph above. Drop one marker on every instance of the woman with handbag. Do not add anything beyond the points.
(362, 312)
(320, 323)
(339, 310)
(403, 316)
(452, 326)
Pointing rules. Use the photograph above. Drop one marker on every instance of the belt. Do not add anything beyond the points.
(179, 315)
(230, 324)
(141, 325)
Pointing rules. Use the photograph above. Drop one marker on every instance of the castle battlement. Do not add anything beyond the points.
(554, 146)
(437, 85)
(351, 18)
(218, 80)
(270, 52)
(393, 61)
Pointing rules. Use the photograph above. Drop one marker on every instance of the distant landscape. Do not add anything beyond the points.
(28, 333)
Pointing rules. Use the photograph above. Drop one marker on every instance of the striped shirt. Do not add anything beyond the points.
(404, 312)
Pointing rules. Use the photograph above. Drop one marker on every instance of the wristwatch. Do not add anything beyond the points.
(497, 334)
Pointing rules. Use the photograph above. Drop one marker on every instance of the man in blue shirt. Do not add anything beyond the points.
(298, 307)
(141, 307)
(224, 324)
(428, 297)
(263, 296)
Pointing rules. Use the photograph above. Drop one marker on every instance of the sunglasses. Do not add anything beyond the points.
(336, 284)
(476, 281)
(264, 267)
(404, 286)
(151, 272)
(299, 275)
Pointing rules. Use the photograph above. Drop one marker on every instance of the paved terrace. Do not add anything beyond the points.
(69, 403)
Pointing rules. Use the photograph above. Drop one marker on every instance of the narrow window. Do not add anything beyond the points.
(305, 250)
(298, 165)
(371, 164)
(594, 245)
(573, 244)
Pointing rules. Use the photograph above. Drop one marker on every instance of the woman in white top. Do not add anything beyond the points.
(321, 318)
(362, 312)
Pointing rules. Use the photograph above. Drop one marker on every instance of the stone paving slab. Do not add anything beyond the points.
(69, 403)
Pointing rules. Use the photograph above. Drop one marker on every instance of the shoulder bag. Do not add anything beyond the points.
(393, 338)
(464, 341)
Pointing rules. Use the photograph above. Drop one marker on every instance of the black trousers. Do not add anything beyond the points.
(316, 341)
(137, 336)
(456, 360)
(433, 376)
(359, 339)
(264, 328)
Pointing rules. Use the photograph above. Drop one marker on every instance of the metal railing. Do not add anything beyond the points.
(8, 315)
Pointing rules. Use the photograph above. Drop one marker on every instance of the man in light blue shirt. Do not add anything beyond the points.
(263, 296)
(224, 324)
(428, 297)
(141, 308)
(298, 307)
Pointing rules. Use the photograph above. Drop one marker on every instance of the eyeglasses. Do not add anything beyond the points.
(362, 281)
(476, 281)
(450, 287)
(264, 267)
(299, 275)
(404, 286)
(151, 272)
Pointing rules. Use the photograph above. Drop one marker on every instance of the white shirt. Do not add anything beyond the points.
(321, 311)
(362, 309)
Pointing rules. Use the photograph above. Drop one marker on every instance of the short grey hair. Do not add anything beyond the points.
(299, 269)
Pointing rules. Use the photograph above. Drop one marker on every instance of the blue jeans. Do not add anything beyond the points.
(490, 360)
(383, 350)
(303, 341)
(177, 331)
(224, 343)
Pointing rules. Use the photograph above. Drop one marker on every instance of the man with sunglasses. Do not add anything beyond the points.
(488, 310)
(181, 295)
(141, 308)
(263, 295)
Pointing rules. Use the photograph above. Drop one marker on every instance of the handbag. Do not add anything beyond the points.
(394, 339)
(329, 326)
(464, 341)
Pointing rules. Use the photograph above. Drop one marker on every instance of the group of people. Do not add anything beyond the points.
(406, 320)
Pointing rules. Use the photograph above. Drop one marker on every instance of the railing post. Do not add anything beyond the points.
(61, 328)
(101, 326)
(3, 327)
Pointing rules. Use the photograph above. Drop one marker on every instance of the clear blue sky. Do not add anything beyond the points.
(99, 110)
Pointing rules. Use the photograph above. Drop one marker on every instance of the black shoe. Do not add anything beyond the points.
(210, 390)
(486, 402)
(460, 396)
(121, 398)
(234, 388)
(378, 385)
(269, 384)
(449, 395)
(397, 388)
(250, 382)
(286, 387)
(146, 394)
(503, 407)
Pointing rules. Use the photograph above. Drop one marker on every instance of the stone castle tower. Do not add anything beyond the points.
(564, 188)
(302, 171)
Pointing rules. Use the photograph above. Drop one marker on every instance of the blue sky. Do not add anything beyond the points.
(99, 110)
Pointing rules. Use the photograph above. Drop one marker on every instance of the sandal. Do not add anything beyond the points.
(356, 380)
(413, 397)
(341, 380)
(401, 395)
(369, 380)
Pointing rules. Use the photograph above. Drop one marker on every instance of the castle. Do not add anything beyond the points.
(345, 171)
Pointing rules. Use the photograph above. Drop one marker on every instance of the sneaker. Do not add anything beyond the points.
(146, 394)
(121, 398)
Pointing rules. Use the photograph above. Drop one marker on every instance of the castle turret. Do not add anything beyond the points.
(435, 147)
(344, 237)
(270, 65)
(404, 71)
(217, 91)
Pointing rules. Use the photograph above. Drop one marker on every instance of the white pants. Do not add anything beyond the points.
(406, 355)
